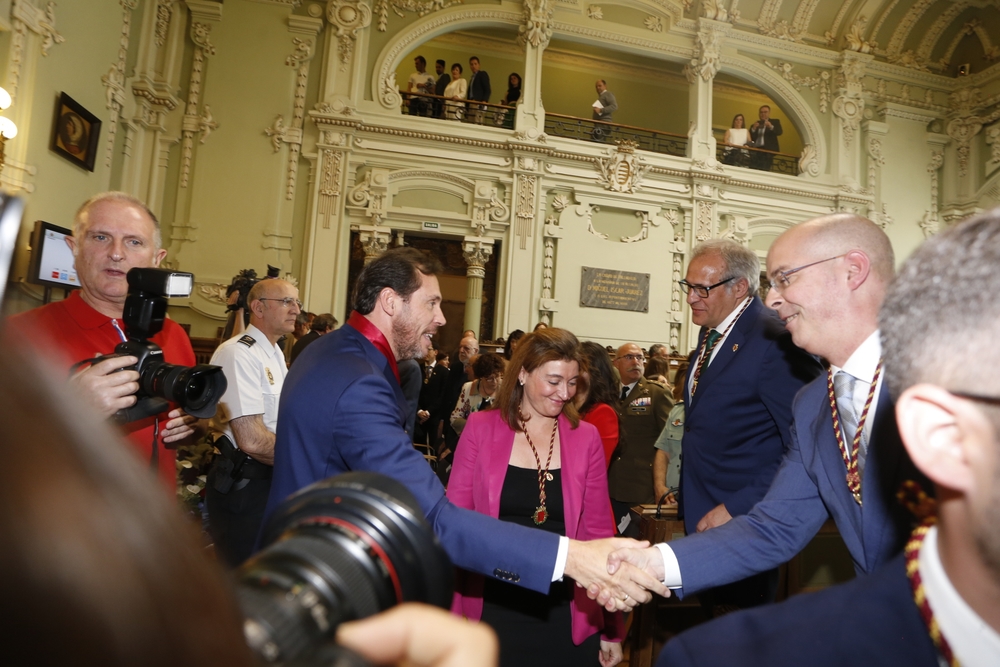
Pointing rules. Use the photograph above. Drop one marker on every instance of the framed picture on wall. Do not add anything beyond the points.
(76, 132)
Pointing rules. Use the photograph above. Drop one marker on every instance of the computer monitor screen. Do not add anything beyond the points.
(52, 261)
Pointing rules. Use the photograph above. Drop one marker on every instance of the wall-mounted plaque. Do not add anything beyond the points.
(618, 290)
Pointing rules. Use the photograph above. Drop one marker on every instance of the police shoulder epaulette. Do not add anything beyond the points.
(248, 340)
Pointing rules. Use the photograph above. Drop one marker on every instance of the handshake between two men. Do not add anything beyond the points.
(619, 573)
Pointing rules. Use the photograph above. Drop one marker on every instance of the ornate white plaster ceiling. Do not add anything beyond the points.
(930, 35)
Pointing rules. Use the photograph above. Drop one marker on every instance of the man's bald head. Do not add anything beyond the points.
(839, 234)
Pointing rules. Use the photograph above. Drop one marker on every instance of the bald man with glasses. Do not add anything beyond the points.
(829, 277)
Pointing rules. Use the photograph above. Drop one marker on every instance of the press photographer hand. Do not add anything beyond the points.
(105, 388)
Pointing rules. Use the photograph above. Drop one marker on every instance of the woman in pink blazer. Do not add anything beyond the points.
(531, 461)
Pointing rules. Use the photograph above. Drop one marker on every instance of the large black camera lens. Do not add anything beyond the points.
(341, 549)
(196, 389)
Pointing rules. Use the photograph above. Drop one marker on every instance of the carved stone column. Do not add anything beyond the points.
(344, 73)
(700, 74)
(849, 107)
(534, 35)
(477, 251)
(374, 240)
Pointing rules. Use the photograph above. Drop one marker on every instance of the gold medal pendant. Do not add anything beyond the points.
(540, 515)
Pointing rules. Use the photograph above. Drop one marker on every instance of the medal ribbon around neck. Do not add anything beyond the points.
(851, 457)
(701, 351)
(912, 552)
(541, 514)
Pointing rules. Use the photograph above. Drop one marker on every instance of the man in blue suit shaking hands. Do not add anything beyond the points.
(828, 280)
(342, 409)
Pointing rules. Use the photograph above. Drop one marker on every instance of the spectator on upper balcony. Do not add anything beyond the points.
(604, 108)
(421, 82)
(736, 136)
(479, 90)
(442, 82)
(456, 90)
(504, 117)
(764, 134)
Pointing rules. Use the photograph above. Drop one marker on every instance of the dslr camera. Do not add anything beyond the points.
(195, 389)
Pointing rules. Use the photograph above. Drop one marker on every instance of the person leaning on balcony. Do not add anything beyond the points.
(456, 90)
(737, 135)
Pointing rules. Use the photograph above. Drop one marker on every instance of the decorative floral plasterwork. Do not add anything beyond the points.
(595, 12)
(654, 23)
(706, 62)
(347, 17)
(206, 124)
(537, 27)
(164, 10)
(716, 10)
(781, 30)
(855, 37)
(931, 222)
(911, 60)
(277, 132)
(993, 141)
(822, 81)
(47, 28)
(623, 171)
(643, 234)
(808, 161)
(400, 6)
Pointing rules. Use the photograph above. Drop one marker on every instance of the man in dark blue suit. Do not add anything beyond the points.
(828, 279)
(937, 349)
(743, 377)
(342, 409)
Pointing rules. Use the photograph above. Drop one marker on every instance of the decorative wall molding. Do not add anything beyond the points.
(192, 121)
(705, 212)
(646, 220)
(114, 81)
(329, 185)
(821, 81)
(164, 11)
(708, 46)
(372, 193)
(623, 171)
(525, 208)
(299, 59)
(348, 17)
(400, 6)
(24, 17)
(536, 28)
(931, 222)
(808, 163)
(849, 105)
(595, 12)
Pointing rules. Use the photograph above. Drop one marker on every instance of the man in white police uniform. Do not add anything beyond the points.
(254, 364)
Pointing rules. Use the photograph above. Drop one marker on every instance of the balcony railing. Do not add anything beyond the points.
(751, 157)
(595, 131)
(464, 111)
(603, 132)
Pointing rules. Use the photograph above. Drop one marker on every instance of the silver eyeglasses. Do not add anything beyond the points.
(286, 302)
(701, 290)
(780, 280)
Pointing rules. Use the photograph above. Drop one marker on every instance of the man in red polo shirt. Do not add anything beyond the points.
(112, 233)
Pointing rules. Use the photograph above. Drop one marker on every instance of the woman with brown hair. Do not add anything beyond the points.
(531, 461)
